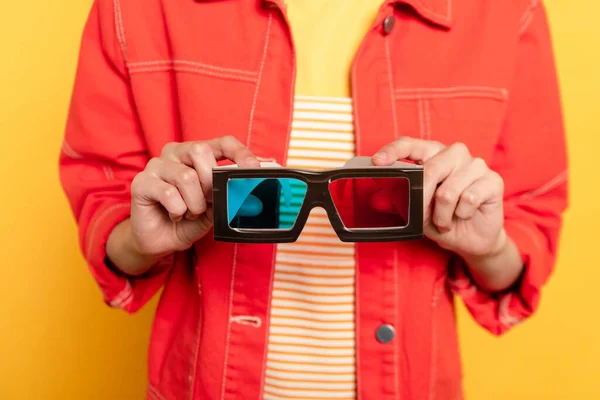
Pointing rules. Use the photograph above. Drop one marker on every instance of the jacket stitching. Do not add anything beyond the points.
(228, 335)
(504, 315)
(124, 297)
(451, 92)
(396, 318)
(510, 321)
(437, 291)
(193, 70)
(357, 326)
(151, 395)
(247, 320)
(421, 119)
(68, 150)
(291, 105)
(424, 119)
(259, 78)
(427, 117)
(152, 390)
(433, 368)
(119, 28)
(108, 172)
(163, 63)
(548, 186)
(99, 219)
(527, 16)
(194, 366)
(391, 84)
(526, 24)
(426, 105)
(462, 287)
(464, 95)
(354, 89)
(447, 17)
(127, 301)
(270, 300)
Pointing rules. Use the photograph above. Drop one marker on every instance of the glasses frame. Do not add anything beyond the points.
(318, 195)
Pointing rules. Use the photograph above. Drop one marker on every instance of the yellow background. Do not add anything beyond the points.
(58, 340)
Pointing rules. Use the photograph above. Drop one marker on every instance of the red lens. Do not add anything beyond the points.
(371, 203)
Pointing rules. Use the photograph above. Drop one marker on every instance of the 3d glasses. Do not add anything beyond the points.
(364, 203)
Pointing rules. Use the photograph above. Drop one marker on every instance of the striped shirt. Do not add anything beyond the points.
(311, 348)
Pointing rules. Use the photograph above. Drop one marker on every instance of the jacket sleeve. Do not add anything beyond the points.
(531, 158)
(102, 151)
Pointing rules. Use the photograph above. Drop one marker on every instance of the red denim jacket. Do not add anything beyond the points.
(154, 71)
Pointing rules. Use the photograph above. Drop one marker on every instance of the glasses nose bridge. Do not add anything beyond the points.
(321, 191)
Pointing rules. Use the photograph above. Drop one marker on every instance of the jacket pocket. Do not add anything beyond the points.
(472, 115)
(199, 101)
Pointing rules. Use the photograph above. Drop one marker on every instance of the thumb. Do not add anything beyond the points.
(193, 230)
(210, 214)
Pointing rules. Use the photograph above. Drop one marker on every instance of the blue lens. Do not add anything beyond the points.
(264, 203)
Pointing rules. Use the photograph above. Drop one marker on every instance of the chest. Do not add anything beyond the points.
(230, 68)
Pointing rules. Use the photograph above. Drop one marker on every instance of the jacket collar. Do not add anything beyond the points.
(438, 12)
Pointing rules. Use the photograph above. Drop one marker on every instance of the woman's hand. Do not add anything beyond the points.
(463, 198)
(171, 202)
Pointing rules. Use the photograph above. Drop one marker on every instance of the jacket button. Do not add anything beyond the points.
(388, 24)
(385, 333)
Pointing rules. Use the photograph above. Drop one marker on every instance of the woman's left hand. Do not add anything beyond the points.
(463, 198)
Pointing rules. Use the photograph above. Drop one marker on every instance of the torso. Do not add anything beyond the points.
(203, 69)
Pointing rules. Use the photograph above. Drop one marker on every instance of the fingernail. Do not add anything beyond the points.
(380, 156)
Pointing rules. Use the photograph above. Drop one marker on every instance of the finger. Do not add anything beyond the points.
(186, 180)
(227, 147)
(147, 189)
(204, 161)
(210, 214)
(449, 192)
(417, 150)
(198, 155)
(486, 189)
(439, 167)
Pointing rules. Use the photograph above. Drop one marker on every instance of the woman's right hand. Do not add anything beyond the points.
(171, 200)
